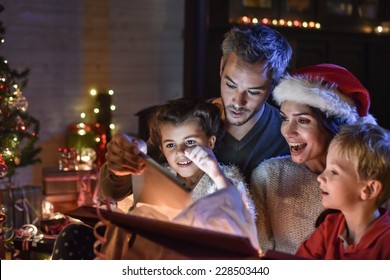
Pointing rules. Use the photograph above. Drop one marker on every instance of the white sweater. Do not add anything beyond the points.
(206, 185)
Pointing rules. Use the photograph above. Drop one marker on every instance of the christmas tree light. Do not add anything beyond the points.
(18, 129)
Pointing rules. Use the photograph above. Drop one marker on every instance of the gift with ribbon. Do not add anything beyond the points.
(31, 243)
(24, 204)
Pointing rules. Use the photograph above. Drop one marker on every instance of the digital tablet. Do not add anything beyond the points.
(158, 186)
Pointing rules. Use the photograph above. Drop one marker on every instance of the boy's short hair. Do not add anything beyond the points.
(368, 147)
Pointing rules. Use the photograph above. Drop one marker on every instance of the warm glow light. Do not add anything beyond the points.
(97, 139)
(93, 92)
(112, 126)
(80, 125)
(111, 92)
(379, 29)
(5, 61)
(85, 158)
(279, 22)
(245, 19)
(82, 115)
(81, 132)
(112, 107)
(96, 110)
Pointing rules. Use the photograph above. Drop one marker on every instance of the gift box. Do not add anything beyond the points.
(37, 248)
(24, 204)
(69, 189)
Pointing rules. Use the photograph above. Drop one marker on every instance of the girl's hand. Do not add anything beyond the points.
(205, 159)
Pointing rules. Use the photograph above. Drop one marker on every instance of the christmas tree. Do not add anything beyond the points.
(18, 130)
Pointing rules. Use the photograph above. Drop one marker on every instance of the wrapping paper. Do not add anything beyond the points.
(24, 205)
(212, 227)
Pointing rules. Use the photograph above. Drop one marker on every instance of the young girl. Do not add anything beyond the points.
(185, 131)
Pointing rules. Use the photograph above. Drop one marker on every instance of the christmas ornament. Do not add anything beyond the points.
(88, 155)
(3, 168)
(68, 159)
(47, 209)
(3, 213)
(22, 104)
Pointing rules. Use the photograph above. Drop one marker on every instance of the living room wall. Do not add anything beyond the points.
(70, 46)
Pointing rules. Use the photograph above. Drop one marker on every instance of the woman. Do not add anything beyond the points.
(314, 102)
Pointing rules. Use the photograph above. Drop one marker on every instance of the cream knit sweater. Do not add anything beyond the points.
(287, 200)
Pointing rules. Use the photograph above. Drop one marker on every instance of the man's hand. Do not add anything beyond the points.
(123, 155)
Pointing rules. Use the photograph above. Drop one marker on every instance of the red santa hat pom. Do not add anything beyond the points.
(329, 87)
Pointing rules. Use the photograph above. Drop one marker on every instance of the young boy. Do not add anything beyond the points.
(356, 181)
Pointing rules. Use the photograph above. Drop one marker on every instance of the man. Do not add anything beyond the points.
(253, 61)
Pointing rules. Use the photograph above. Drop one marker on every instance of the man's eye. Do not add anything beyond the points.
(230, 85)
(283, 118)
(253, 92)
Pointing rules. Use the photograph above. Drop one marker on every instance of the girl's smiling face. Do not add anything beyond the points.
(176, 139)
(307, 140)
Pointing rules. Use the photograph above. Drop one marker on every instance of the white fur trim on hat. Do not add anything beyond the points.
(317, 94)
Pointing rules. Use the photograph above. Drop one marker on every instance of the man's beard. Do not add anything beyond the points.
(236, 122)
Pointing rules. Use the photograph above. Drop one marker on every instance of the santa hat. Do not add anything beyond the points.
(331, 88)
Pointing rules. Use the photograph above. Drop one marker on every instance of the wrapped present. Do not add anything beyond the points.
(68, 189)
(30, 243)
(24, 204)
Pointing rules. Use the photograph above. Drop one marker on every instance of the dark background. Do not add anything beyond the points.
(347, 39)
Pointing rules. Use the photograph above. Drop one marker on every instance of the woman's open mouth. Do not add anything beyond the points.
(296, 147)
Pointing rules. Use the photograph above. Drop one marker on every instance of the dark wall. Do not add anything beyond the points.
(366, 55)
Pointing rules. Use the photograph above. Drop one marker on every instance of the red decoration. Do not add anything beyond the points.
(3, 167)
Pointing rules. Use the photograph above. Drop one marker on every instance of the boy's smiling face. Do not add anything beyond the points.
(340, 185)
